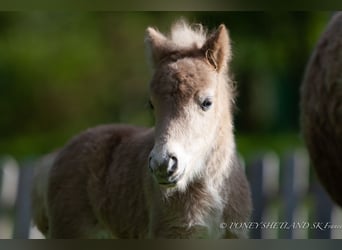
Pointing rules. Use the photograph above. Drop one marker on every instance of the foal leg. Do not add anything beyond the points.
(71, 216)
(69, 225)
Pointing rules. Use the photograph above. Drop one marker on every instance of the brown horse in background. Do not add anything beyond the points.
(180, 179)
(321, 108)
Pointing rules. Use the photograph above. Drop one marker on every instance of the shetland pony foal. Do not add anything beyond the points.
(180, 179)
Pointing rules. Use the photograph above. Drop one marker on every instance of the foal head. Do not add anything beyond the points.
(191, 101)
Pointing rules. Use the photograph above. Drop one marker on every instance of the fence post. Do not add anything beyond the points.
(295, 185)
(22, 221)
(9, 180)
(256, 180)
(8, 188)
(263, 175)
(323, 209)
(336, 219)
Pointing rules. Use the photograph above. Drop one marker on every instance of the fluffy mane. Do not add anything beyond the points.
(184, 35)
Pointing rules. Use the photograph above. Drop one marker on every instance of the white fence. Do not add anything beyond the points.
(287, 198)
(15, 204)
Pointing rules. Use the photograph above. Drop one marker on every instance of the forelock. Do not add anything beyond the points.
(186, 36)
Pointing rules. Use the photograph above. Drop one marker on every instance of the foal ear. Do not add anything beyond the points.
(157, 44)
(217, 48)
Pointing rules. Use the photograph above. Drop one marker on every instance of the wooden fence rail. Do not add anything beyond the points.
(288, 200)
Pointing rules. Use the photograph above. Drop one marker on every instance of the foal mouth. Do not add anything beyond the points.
(169, 182)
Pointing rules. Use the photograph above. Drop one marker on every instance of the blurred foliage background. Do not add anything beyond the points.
(62, 72)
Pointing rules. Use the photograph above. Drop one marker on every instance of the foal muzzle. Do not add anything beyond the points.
(165, 170)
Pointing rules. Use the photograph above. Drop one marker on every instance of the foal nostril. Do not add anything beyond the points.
(150, 164)
(174, 158)
(172, 165)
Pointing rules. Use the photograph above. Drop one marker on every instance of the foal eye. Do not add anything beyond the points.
(206, 104)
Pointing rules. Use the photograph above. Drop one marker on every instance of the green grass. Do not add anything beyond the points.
(250, 145)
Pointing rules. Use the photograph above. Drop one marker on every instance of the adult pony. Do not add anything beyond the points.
(321, 108)
(181, 179)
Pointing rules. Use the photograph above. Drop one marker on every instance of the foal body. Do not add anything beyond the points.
(108, 199)
(99, 184)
